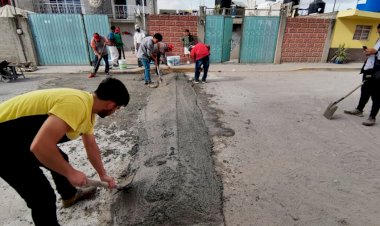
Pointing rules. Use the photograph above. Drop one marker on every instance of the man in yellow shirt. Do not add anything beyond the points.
(31, 126)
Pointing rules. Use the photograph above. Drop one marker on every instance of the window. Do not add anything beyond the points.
(140, 2)
(362, 32)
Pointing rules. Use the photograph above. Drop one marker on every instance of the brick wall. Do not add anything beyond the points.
(172, 28)
(304, 39)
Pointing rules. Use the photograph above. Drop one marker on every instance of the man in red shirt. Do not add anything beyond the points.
(98, 45)
(201, 54)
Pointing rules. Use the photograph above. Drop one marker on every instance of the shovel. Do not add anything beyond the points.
(98, 62)
(127, 184)
(158, 72)
(329, 112)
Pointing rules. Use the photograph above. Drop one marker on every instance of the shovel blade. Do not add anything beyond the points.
(126, 183)
(330, 110)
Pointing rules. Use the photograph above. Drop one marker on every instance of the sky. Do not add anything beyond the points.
(194, 4)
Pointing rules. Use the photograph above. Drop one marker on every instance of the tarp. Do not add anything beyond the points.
(10, 11)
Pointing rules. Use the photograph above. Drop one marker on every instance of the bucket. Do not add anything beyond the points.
(173, 60)
(122, 64)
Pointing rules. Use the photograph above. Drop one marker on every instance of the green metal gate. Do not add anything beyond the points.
(218, 36)
(259, 39)
(63, 39)
(98, 24)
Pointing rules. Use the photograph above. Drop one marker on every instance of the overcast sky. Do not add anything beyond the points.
(194, 4)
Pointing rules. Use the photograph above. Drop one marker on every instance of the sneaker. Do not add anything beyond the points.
(196, 81)
(91, 75)
(355, 112)
(190, 79)
(82, 194)
(108, 74)
(148, 82)
(203, 82)
(369, 122)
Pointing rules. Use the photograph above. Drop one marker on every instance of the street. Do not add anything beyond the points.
(277, 160)
(286, 163)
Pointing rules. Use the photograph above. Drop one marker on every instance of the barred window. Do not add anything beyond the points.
(362, 32)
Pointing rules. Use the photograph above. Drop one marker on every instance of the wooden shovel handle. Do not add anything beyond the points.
(96, 183)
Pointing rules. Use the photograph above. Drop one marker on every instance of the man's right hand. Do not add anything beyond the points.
(77, 178)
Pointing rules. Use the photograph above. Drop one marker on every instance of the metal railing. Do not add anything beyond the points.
(241, 12)
(59, 8)
(128, 12)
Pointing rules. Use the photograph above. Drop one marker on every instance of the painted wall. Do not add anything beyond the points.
(344, 32)
(16, 48)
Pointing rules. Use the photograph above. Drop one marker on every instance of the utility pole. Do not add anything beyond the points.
(334, 5)
(143, 8)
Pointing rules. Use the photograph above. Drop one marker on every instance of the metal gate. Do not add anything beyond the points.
(63, 39)
(218, 36)
(259, 39)
(98, 24)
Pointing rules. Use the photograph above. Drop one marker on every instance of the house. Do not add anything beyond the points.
(355, 28)
(122, 13)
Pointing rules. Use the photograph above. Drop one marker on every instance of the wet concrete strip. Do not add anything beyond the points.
(176, 183)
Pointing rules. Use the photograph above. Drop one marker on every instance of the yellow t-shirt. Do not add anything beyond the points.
(71, 105)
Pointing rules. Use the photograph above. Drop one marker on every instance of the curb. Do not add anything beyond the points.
(168, 70)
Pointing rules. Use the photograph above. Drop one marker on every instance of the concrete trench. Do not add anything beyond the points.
(175, 183)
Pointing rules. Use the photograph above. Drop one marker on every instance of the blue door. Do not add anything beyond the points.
(59, 38)
(218, 36)
(259, 39)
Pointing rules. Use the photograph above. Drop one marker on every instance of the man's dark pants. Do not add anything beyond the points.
(370, 89)
(205, 61)
(21, 170)
(96, 64)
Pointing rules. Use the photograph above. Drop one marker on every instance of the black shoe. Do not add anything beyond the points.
(369, 122)
(355, 112)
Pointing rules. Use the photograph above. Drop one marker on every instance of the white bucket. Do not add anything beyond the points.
(173, 60)
(122, 64)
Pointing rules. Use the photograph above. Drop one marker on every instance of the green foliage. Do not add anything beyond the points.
(340, 55)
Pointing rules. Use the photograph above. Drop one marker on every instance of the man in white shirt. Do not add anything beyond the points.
(137, 38)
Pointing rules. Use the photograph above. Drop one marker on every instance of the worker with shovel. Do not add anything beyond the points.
(31, 126)
(145, 53)
(98, 45)
(371, 84)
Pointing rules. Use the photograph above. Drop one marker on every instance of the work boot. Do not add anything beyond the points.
(82, 194)
(91, 75)
(369, 122)
(355, 112)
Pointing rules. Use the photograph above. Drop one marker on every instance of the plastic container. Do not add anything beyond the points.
(122, 64)
(173, 60)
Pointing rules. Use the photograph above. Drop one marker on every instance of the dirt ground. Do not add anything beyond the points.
(160, 136)
(247, 148)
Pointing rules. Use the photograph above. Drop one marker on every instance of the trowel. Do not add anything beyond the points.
(125, 185)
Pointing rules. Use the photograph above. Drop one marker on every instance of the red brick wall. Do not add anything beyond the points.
(304, 39)
(172, 28)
